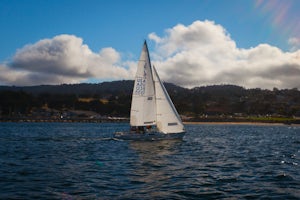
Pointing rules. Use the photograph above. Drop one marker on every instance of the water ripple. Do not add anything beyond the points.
(80, 161)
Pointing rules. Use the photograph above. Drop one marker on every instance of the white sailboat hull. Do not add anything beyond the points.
(148, 136)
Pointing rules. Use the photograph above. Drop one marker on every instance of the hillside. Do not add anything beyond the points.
(77, 89)
(206, 103)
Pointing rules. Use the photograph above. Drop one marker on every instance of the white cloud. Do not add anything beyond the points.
(62, 59)
(294, 43)
(203, 53)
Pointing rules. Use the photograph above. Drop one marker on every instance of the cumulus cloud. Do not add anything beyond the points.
(203, 53)
(294, 43)
(62, 59)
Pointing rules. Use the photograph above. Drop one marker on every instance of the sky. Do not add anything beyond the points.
(250, 43)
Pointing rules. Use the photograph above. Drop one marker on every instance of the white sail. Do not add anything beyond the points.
(168, 120)
(151, 105)
(143, 108)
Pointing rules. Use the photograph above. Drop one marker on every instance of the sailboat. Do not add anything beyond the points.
(153, 116)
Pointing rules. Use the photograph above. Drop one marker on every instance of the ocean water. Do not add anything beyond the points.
(80, 161)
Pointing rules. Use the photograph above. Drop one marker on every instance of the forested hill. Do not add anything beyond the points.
(88, 89)
(114, 99)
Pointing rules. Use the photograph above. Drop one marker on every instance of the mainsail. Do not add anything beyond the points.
(143, 108)
(151, 104)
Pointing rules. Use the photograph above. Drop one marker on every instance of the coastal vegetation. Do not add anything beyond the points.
(111, 100)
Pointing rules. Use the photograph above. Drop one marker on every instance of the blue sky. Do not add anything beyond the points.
(119, 28)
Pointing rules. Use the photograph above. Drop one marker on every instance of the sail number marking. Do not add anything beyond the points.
(140, 86)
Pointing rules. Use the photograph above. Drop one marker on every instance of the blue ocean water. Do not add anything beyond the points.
(80, 161)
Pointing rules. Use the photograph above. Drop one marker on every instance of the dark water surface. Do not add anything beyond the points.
(79, 161)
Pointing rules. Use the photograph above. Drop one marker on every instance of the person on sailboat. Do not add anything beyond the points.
(148, 128)
(137, 129)
(141, 129)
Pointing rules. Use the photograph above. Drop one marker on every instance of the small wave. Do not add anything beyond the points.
(108, 139)
(284, 177)
(212, 162)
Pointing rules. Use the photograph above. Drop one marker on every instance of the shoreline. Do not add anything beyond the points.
(255, 123)
(240, 123)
